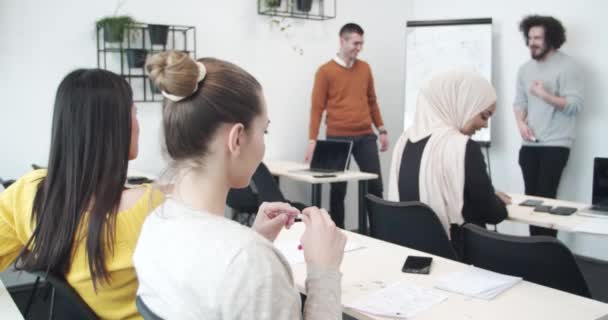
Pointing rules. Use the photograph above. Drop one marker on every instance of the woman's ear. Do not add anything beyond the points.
(235, 138)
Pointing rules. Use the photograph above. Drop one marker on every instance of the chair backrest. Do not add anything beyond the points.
(6, 183)
(595, 272)
(268, 190)
(68, 304)
(539, 259)
(145, 312)
(243, 200)
(411, 224)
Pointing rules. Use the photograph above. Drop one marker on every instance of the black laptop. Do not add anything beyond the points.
(330, 156)
(599, 199)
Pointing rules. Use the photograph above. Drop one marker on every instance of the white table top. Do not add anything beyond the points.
(8, 308)
(289, 169)
(547, 220)
(381, 262)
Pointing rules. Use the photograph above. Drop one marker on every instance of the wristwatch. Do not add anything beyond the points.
(383, 131)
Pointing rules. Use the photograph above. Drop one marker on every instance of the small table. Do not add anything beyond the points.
(289, 169)
(528, 215)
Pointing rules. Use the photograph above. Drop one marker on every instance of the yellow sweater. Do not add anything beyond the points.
(113, 301)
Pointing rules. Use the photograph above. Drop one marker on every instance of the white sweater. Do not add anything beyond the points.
(195, 265)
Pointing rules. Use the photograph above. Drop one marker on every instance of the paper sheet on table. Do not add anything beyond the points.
(289, 249)
(478, 283)
(401, 300)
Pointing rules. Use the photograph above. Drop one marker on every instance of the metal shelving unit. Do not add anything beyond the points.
(113, 55)
(320, 9)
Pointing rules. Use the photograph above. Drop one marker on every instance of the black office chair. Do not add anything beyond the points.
(595, 272)
(145, 312)
(244, 203)
(410, 224)
(539, 259)
(264, 188)
(267, 188)
(65, 301)
(6, 183)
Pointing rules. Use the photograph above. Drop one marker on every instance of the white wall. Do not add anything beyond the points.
(43, 41)
(56, 37)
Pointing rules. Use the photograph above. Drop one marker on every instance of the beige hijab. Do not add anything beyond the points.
(445, 103)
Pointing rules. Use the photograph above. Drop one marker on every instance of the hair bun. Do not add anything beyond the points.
(173, 72)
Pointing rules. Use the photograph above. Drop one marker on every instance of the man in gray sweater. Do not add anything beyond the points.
(549, 96)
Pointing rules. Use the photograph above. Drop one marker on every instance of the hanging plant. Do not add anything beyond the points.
(114, 27)
(273, 4)
(284, 26)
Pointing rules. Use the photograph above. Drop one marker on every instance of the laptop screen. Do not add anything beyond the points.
(600, 182)
(331, 155)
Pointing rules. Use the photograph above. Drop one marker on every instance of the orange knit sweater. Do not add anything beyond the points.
(348, 96)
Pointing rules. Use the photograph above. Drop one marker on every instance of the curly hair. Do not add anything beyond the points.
(555, 34)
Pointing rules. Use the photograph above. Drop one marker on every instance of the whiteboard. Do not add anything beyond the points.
(434, 46)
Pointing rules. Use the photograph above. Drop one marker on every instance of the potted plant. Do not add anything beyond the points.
(136, 58)
(273, 4)
(114, 27)
(158, 34)
(304, 5)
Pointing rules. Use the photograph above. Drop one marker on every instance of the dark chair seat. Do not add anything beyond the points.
(263, 188)
(6, 183)
(411, 224)
(539, 259)
(145, 312)
(65, 301)
(595, 272)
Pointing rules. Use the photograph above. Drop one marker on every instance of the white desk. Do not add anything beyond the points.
(289, 169)
(8, 308)
(381, 261)
(547, 220)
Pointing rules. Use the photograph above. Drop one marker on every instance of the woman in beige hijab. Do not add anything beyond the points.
(437, 163)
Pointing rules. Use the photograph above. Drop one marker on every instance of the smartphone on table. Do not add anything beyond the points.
(417, 264)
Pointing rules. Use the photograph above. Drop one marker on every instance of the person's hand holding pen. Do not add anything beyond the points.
(323, 243)
(272, 217)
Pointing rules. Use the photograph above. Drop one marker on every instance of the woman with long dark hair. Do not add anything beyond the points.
(75, 219)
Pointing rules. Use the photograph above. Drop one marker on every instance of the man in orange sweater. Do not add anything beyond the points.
(344, 89)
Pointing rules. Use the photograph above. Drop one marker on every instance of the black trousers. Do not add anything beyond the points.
(365, 152)
(542, 169)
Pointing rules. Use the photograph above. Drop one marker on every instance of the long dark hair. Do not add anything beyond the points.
(87, 168)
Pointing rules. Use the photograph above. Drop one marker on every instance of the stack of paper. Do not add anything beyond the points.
(290, 250)
(478, 283)
(400, 300)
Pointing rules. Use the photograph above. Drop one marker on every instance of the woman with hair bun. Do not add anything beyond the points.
(192, 262)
